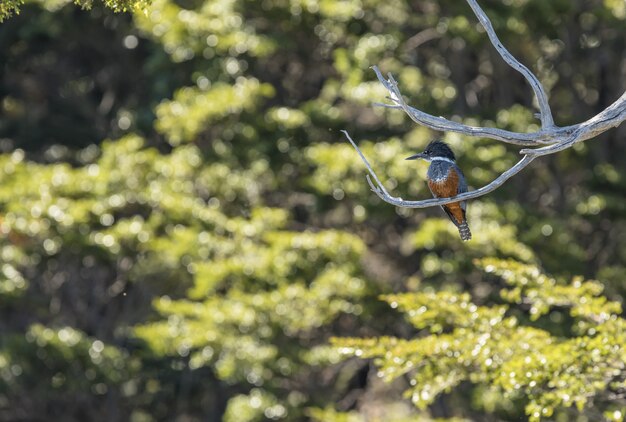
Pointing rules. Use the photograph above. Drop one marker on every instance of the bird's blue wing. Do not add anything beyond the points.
(462, 188)
(462, 183)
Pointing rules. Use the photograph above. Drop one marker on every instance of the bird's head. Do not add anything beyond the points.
(436, 149)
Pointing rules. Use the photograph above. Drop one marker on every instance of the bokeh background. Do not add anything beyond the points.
(184, 228)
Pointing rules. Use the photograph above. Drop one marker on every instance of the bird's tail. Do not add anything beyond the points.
(464, 231)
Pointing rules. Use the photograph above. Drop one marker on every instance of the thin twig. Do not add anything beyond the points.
(367, 164)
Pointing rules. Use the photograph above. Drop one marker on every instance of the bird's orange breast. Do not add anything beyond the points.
(446, 188)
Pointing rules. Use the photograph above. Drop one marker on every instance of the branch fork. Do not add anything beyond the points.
(549, 138)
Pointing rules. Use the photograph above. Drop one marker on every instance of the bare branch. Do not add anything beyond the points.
(609, 118)
(558, 138)
(443, 124)
(546, 114)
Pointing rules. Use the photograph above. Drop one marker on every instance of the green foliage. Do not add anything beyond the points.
(215, 27)
(279, 292)
(11, 7)
(183, 227)
(542, 293)
(331, 415)
(118, 5)
(43, 354)
(199, 108)
(490, 345)
(256, 406)
(252, 284)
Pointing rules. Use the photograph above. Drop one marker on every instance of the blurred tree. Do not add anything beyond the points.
(184, 228)
(482, 344)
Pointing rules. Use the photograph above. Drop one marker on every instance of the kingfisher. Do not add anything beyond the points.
(445, 179)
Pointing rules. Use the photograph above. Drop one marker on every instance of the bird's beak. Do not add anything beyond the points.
(416, 156)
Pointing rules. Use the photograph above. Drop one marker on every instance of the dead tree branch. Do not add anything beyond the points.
(553, 137)
(542, 98)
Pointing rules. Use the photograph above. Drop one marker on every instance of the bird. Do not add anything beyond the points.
(445, 179)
